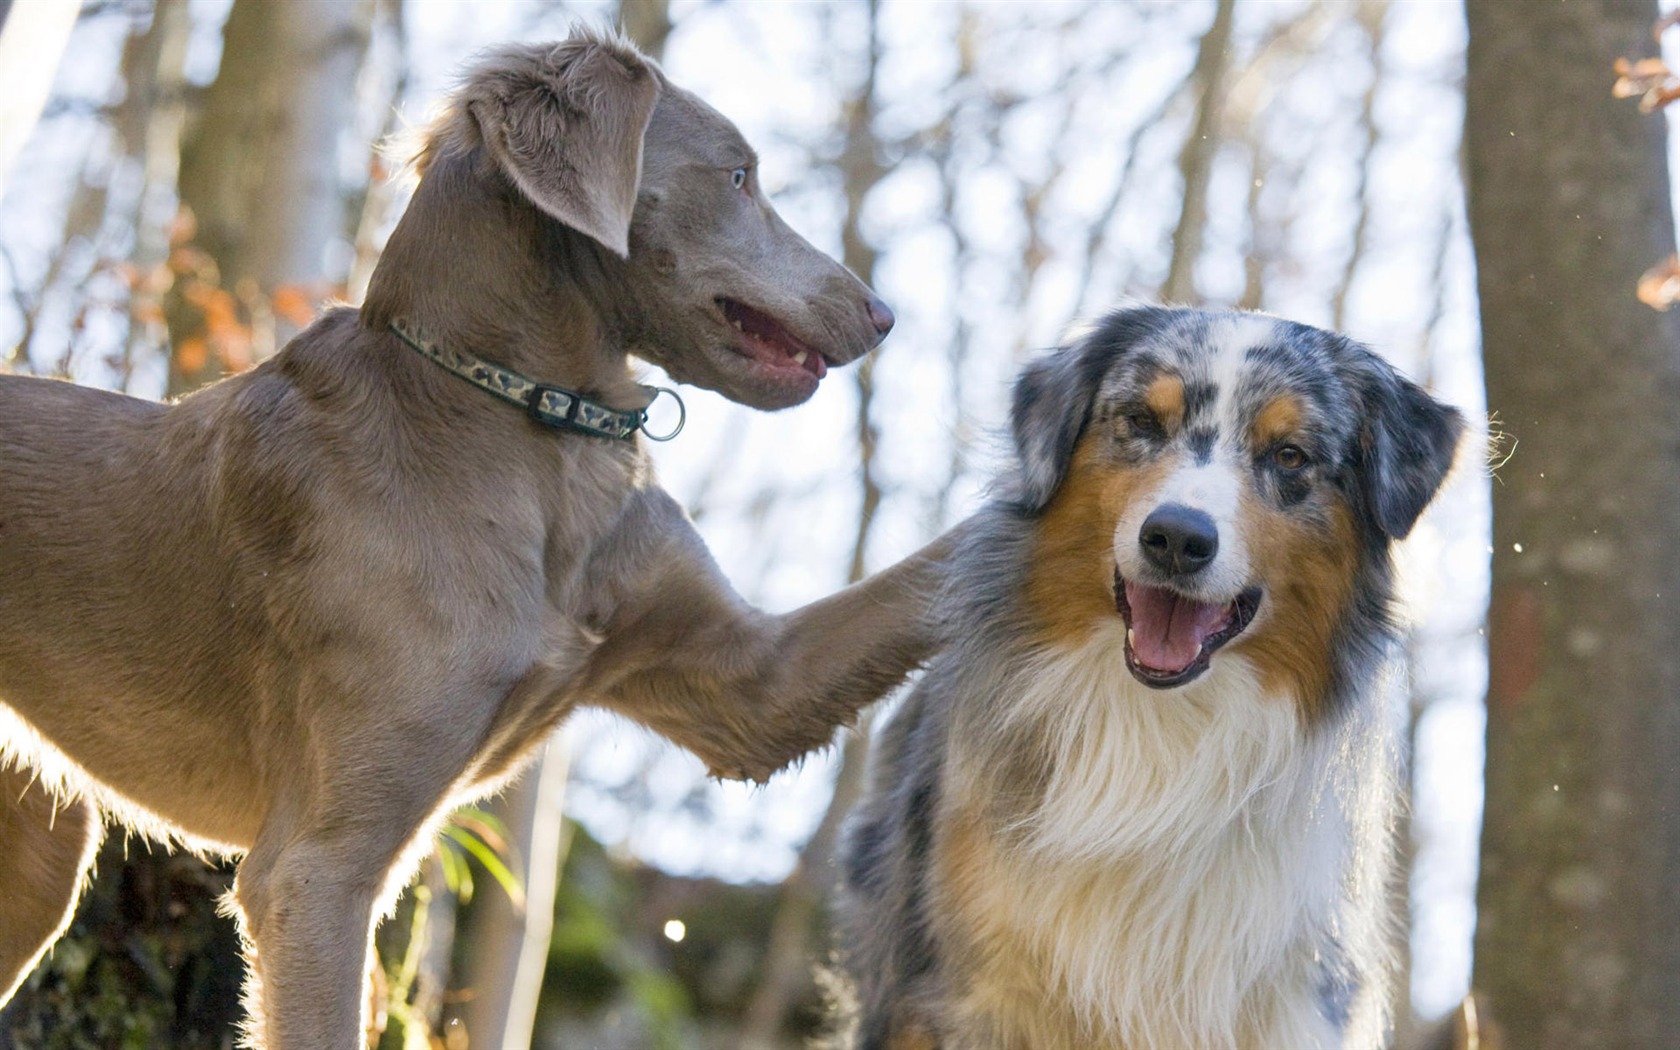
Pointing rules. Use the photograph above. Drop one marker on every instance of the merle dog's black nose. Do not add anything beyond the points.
(1179, 540)
(881, 316)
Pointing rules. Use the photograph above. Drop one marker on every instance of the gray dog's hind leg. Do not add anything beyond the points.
(46, 845)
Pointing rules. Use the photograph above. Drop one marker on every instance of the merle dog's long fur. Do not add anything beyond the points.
(1386, 446)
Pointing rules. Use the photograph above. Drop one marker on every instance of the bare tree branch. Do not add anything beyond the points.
(1371, 14)
(149, 122)
(25, 310)
(1097, 241)
(1261, 241)
(1195, 161)
(32, 38)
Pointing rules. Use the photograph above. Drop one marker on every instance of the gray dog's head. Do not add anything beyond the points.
(695, 270)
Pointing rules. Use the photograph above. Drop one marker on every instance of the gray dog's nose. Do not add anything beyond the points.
(881, 315)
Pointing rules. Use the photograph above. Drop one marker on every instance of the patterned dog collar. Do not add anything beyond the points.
(551, 406)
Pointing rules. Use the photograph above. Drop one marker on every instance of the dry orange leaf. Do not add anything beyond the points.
(158, 280)
(221, 314)
(1650, 79)
(220, 310)
(183, 228)
(235, 353)
(1659, 287)
(192, 353)
(184, 258)
(294, 303)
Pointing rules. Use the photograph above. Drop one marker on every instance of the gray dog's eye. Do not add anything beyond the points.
(738, 177)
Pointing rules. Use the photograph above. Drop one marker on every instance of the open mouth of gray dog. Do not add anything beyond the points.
(1171, 638)
(763, 340)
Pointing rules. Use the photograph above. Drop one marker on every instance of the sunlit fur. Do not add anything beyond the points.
(1163, 891)
(1055, 855)
(304, 613)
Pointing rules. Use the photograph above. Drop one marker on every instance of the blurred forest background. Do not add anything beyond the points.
(1480, 192)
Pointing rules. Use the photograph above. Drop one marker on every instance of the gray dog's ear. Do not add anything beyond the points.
(1051, 405)
(1407, 444)
(566, 124)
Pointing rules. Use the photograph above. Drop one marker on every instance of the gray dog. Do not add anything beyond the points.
(301, 615)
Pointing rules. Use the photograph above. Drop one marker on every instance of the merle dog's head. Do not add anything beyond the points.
(1221, 479)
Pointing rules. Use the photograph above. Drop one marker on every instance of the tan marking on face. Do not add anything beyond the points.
(1279, 420)
(1070, 585)
(1307, 575)
(1165, 398)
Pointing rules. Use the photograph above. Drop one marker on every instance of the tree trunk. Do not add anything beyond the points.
(259, 175)
(150, 123)
(1576, 941)
(32, 39)
(505, 947)
(647, 22)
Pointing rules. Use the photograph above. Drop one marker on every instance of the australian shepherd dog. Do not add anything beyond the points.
(1144, 797)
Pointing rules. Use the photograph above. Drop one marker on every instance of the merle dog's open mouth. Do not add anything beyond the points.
(1170, 638)
(764, 340)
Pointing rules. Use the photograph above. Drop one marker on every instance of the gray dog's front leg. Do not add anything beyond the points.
(745, 691)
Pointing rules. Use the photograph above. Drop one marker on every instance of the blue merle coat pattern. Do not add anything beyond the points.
(1143, 799)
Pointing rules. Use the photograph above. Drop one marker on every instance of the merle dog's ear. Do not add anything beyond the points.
(566, 124)
(1051, 406)
(1055, 394)
(1407, 443)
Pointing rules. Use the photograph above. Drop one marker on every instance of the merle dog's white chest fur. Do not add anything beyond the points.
(1182, 858)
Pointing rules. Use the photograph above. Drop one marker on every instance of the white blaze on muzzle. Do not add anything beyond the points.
(1213, 488)
(1182, 573)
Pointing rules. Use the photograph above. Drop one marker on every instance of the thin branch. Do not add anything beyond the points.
(1372, 15)
(26, 314)
(1261, 237)
(383, 187)
(1103, 226)
(1195, 161)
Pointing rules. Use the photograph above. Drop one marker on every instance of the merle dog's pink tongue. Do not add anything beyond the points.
(1168, 630)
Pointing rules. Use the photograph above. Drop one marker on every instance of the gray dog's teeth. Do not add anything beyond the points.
(800, 357)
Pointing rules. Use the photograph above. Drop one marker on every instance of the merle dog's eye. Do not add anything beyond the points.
(1289, 457)
(738, 177)
(1143, 424)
